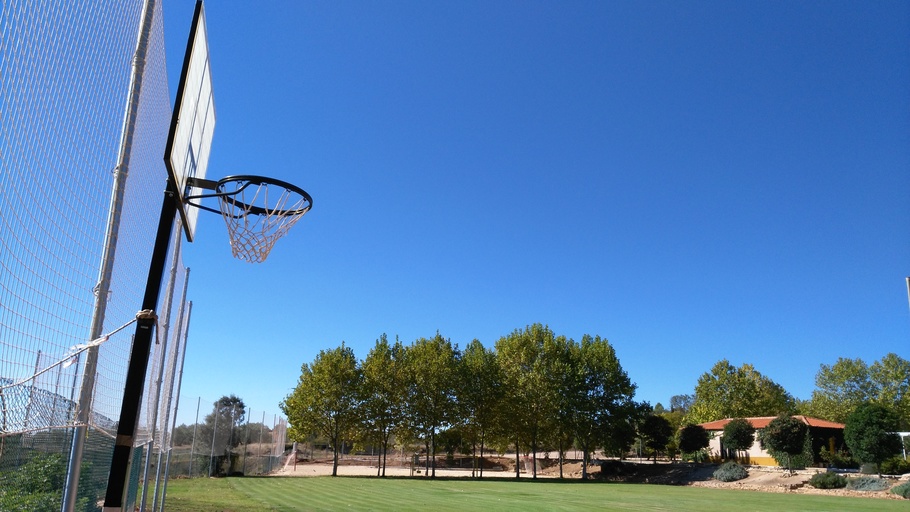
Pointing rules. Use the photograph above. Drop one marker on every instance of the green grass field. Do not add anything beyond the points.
(395, 494)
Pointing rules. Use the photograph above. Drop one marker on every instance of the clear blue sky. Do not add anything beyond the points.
(693, 181)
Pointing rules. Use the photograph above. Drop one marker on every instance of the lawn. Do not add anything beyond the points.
(395, 494)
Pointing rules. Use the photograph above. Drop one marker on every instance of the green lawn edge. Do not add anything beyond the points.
(397, 494)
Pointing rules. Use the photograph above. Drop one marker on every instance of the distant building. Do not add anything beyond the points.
(822, 432)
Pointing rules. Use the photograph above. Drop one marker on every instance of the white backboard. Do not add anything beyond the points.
(190, 138)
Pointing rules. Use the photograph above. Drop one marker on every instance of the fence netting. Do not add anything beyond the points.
(65, 82)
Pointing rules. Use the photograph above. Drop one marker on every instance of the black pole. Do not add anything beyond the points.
(139, 358)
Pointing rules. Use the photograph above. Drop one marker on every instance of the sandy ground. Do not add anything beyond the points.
(761, 479)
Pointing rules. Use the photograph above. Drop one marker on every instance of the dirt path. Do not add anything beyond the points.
(760, 479)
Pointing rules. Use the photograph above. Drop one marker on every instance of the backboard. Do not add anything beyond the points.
(189, 140)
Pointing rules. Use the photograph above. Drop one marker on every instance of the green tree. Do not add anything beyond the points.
(530, 399)
(656, 431)
(562, 356)
(870, 433)
(787, 435)
(605, 412)
(480, 393)
(739, 434)
(692, 438)
(681, 403)
(840, 388)
(382, 400)
(326, 399)
(432, 377)
(730, 392)
(891, 378)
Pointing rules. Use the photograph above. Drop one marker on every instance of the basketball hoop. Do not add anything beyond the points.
(257, 211)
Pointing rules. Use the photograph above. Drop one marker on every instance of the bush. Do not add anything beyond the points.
(828, 481)
(868, 469)
(613, 467)
(868, 483)
(838, 459)
(902, 490)
(730, 472)
(895, 466)
(692, 438)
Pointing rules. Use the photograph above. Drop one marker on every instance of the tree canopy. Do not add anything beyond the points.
(870, 433)
(848, 383)
(730, 392)
(785, 434)
(326, 399)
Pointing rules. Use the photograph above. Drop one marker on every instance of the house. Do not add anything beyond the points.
(822, 432)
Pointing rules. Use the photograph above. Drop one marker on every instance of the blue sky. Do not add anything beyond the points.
(693, 181)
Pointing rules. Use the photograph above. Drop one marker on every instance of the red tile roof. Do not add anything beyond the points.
(762, 422)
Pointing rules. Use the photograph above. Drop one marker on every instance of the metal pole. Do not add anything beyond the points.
(165, 437)
(195, 426)
(245, 441)
(152, 415)
(261, 428)
(139, 355)
(167, 464)
(214, 431)
(102, 289)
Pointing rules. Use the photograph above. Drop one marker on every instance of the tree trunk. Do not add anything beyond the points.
(335, 459)
(473, 459)
(426, 471)
(560, 459)
(584, 463)
(385, 453)
(433, 444)
(517, 461)
(481, 454)
(534, 459)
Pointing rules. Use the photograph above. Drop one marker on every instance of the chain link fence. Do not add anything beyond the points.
(225, 440)
(81, 184)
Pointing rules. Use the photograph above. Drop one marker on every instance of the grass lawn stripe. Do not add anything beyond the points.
(393, 494)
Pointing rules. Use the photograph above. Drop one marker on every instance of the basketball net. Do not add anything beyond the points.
(257, 214)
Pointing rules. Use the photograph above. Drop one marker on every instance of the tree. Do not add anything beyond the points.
(326, 399)
(561, 356)
(848, 383)
(870, 433)
(730, 392)
(432, 366)
(840, 388)
(681, 403)
(692, 438)
(605, 412)
(382, 400)
(480, 393)
(656, 431)
(739, 434)
(787, 435)
(220, 433)
(891, 378)
(530, 398)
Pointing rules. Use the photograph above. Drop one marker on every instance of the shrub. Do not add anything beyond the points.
(902, 490)
(869, 433)
(868, 469)
(739, 434)
(786, 437)
(839, 459)
(730, 472)
(828, 481)
(613, 467)
(692, 438)
(895, 466)
(868, 483)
